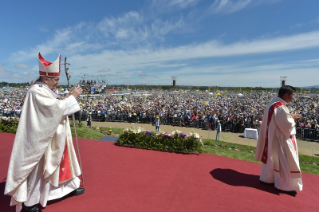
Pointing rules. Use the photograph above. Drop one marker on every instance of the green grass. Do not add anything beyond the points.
(91, 132)
(86, 132)
(118, 131)
(308, 164)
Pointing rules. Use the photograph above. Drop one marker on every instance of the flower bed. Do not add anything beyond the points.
(9, 124)
(162, 141)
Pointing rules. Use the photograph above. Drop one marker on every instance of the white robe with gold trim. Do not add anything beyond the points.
(42, 135)
(282, 167)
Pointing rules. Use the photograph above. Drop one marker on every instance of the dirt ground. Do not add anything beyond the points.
(237, 138)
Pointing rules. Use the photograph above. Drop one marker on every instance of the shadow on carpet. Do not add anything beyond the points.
(234, 178)
(5, 200)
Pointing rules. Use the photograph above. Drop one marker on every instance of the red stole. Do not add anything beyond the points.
(65, 168)
(270, 113)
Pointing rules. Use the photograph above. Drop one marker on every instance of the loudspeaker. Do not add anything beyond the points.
(174, 82)
(283, 83)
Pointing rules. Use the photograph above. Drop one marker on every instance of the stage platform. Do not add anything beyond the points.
(134, 180)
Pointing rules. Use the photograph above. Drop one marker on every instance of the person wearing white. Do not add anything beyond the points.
(43, 164)
(277, 145)
(157, 123)
(219, 129)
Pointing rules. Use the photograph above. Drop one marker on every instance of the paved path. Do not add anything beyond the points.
(237, 138)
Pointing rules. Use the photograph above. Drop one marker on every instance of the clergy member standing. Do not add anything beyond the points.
(43, 164)
(277, 145)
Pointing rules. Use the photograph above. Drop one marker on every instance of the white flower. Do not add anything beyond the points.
(140, 129)
(176, 132)
(196, 135)
(200, 140)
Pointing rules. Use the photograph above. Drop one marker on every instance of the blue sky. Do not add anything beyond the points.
(214, 43)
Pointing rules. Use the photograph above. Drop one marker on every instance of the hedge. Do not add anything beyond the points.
(176, 141)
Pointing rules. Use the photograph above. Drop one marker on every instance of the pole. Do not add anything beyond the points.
(68, 76)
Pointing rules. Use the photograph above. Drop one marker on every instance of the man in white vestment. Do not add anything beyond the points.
(43, 164)
(277, 145)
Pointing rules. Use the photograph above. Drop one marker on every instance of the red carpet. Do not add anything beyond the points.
(125, 179)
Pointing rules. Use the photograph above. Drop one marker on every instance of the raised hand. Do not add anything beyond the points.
(77, 92)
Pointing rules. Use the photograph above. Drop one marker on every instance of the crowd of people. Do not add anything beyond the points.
(198, 109)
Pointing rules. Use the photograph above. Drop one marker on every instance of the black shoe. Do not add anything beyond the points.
(78, 191)
(262, 182)
(291, 193)
(34, 208)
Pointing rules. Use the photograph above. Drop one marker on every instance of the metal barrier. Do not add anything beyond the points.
(301, 133)
(307, 134)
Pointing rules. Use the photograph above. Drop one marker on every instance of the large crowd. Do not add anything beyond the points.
(198, 109)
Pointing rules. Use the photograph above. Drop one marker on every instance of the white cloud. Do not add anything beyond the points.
(3, 70)
(140, 73)
(129, 29)
(167, 60)
(23, 66)
(12, 76)
(183, 3)
(133, 28)
(121, 27)
(104, 70)
(231, 6)
(228, 6)
(63, 41)
(43, 29)
(115, 75)
(266, 75)
(299, 25)
(164, 6)
(155, 58)
(130, 42)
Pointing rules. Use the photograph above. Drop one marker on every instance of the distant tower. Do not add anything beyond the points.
(283, 80)
(174, 81)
